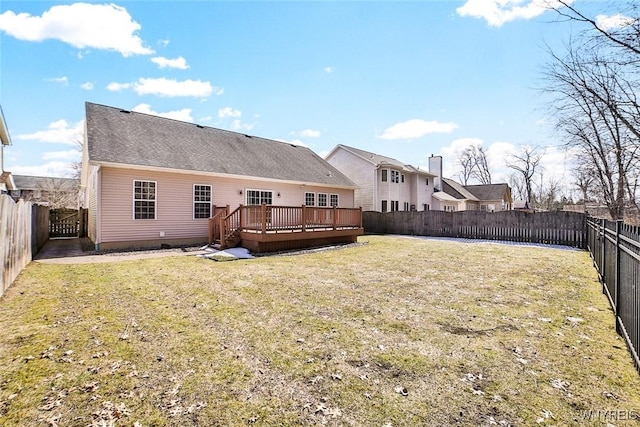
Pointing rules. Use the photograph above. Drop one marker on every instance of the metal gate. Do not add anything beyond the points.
(64, 223)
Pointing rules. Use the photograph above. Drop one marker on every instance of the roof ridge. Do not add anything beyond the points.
(192, 123)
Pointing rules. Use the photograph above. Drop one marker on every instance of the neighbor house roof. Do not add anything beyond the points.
(379, 160)
(27, 182)
(457, 190)
(445, 197)
(488, 191)
(121, 137)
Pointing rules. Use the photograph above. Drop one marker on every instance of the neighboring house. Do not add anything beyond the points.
(483, 197)
(491, 197)
(452, 196)
(6, 179)
(51, 191)
(384, 184)
(148, 180)
(522, 205)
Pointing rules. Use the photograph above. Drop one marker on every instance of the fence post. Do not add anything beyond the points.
(602, 233)
(619, 223)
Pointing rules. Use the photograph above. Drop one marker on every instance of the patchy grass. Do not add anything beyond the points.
(397, 331)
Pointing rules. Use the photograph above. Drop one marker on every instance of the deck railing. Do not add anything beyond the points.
(282, 219)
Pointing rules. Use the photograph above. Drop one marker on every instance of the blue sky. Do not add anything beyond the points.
(402, 79)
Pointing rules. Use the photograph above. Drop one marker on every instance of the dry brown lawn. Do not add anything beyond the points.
(393, 332)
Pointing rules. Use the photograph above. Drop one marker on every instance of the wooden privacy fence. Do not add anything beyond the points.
(65, 222)
(557, 228)
(615, 249)
(24, 229)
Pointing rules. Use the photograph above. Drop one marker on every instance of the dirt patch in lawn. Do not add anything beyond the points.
(393, 332)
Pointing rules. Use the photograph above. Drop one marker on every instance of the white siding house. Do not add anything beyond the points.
(383, 184)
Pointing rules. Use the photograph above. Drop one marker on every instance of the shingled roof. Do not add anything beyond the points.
(456, 190)
(488, 191)
(122, 137)
(378, 159)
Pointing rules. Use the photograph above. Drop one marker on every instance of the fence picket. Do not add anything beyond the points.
(559, 228)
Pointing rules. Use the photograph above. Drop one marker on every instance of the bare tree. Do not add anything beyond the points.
(482, 172)
(517, 186)
(474, 164)
(466, 163)
(592, 109)
(76, 167)
(595, 86)
(526, 163)
(583, 178)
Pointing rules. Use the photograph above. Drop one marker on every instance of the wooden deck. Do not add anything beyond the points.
(262, 228)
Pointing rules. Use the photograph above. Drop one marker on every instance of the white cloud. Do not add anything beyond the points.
(228, 112)
(164, 42)
(554, 164)
(55, 168)
(169, 88)
(179, 63)
(612, 22)
(69, 155)
(416, 128)
(328, 70)
(237, 125)
(118, 87)
(499, 12)
(58, 132)
(82, 25)
(310, 133)
(182, 115)
(87, 86)
(62, 80)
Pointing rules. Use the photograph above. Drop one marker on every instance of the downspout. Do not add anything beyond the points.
(98, 208)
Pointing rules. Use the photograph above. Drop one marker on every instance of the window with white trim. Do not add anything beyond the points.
(402, 177)
(144, 199)
(309, 199)
(384, 175)
(384, 206)
(258, 197)
(201, 201)
(406, 206)
(333, 200)
(322, 199)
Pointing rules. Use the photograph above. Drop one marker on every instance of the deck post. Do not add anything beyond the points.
(241, 225)
(304, 218)
(335, 219)
(221, 229)
(264, 217)
(360, 212)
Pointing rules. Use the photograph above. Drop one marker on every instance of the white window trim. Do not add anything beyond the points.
(133, 196)
(246, 194)
(314, 198)
(193, 195)
(326, 200)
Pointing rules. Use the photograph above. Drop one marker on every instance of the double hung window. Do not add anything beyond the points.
(201, 201)
(144, 199)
